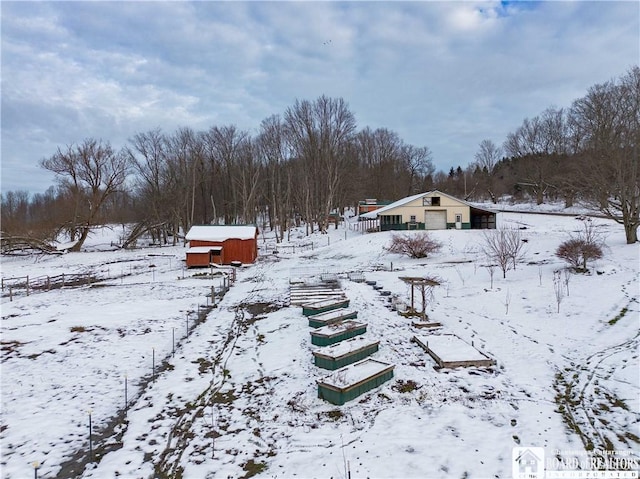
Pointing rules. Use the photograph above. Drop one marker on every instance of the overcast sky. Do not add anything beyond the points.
(441, 74)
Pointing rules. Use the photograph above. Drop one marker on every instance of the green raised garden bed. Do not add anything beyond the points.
(323, 306)
(345, 352)
(323, 319)
(346, 384)
(336, 332)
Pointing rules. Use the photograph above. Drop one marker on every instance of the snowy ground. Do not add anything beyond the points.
(239, 395)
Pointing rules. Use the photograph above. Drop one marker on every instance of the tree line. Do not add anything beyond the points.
(312, 160)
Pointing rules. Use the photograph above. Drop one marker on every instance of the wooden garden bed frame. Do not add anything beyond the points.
(450, 351)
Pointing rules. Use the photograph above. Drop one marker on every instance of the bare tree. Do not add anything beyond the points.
(180, 178)
(248, 178)
(606, 127)
(272, 149)
(91, 172)
(15, 211)
(558, 288)
(379, 155)
(507, 301)
(418, 163)
(539, 143)
(227, 149)
(486, 160)
(319, 133)
(149, 156)
(566, 279)
(502, 247)
(492, 270)
(515, 245)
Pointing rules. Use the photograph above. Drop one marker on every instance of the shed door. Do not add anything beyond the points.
(435, 220)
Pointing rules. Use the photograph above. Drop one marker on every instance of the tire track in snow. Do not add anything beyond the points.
(582, 397)
(170, 460)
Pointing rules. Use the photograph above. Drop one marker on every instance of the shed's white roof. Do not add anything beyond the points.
(221, 232)
(204, 249)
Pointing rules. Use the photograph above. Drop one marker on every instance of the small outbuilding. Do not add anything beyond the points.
(221, 244)
(370, 204)
(433, 210)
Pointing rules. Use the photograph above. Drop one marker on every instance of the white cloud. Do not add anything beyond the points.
(442, 74)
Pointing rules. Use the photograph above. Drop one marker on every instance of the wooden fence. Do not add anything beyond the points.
(280, 248)
(11, 286)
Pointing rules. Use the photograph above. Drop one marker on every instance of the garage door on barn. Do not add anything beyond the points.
(435, 220)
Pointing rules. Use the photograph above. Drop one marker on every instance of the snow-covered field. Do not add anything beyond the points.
(239, 397)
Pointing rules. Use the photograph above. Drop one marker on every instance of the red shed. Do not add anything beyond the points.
(222, 244)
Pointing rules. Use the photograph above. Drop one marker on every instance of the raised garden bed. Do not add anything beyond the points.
(426, 325)
(346, 384)
(323, 306)
(450, 351)
(356, 277)
(333, 316)
(336, 332)
(345, 352)
(300, 294)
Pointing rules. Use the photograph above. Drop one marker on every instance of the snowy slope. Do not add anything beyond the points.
(239, 395)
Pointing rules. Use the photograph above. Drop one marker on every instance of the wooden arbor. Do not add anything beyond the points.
(425, 287)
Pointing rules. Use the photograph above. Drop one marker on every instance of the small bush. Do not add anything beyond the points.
(417, 245)
(334, 414)
(253, 468)
(578, 252)
(405, 386)
(583, 247)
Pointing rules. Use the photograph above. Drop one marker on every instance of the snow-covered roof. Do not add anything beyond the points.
(204, 249)
(221, 232)
(375, 213)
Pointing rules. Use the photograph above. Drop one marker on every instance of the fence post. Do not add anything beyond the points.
(90, 439)
(27, 285)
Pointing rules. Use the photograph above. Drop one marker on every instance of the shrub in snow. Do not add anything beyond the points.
(415, 245)
(578, 250)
